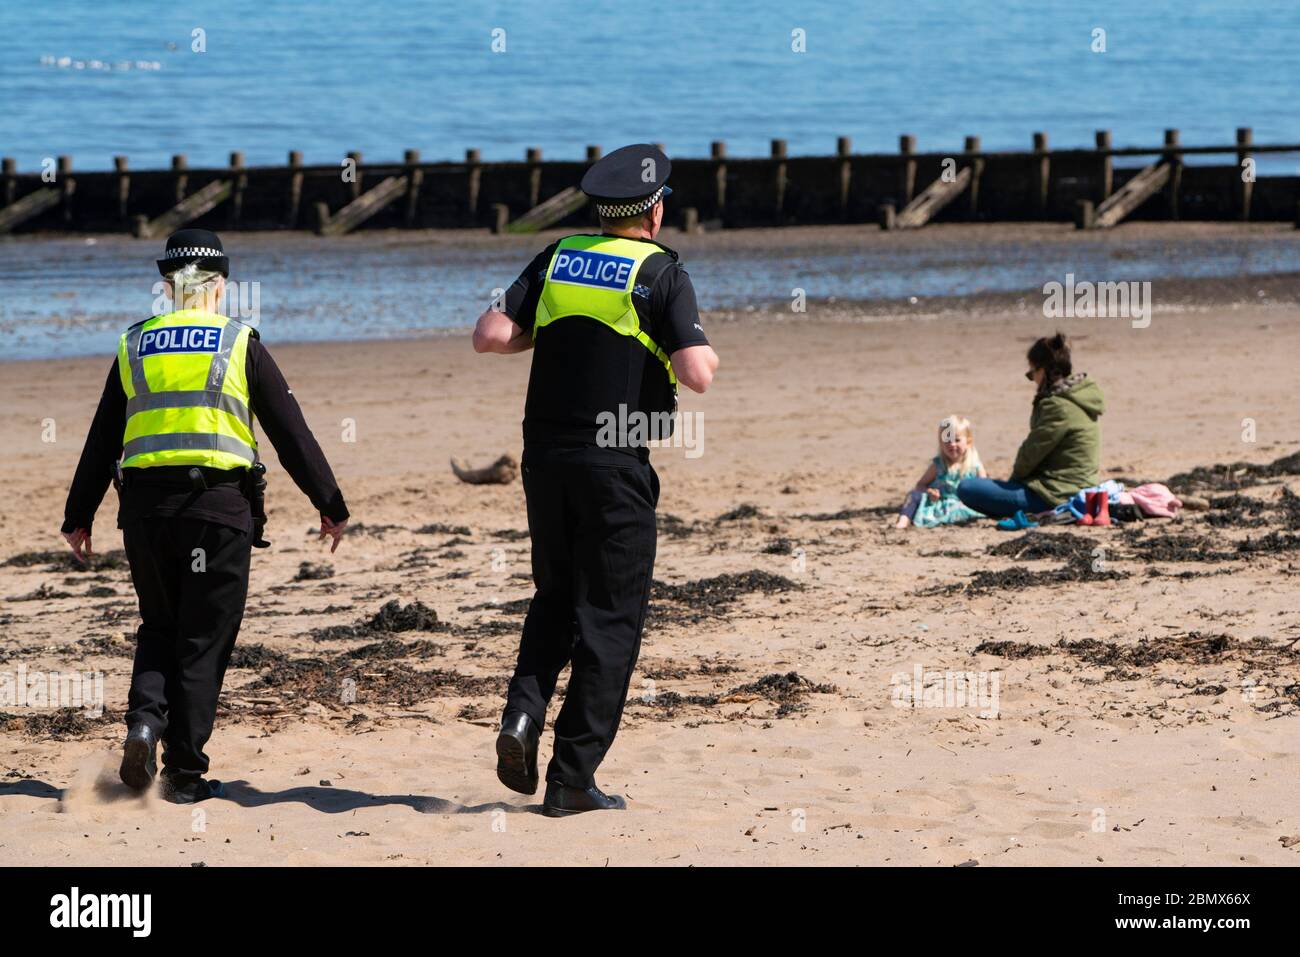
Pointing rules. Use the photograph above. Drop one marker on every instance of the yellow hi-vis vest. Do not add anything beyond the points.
(187, 400)
(595, 276)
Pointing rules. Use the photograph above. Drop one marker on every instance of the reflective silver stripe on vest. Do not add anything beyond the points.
(189, 400)
(138, 381)
(187, 442)
(221, 361)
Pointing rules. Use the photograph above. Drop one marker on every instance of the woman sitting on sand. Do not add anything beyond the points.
(1062, 453)
(934, 499)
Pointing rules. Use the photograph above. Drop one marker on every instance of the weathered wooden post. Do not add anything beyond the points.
(10, 169)
(1245, 186)
(473, 181)
(844, 149)
(593, 153)
(295, 190)
(123, 189)
(180, 178)
(718, 151)
(238, 183)
(888, 215)
(500, 217)
(534, 157)
(1105, 168)
(355, 157)
(976, 164)
(780, 177)
(67, 186)
(1042, 174)
(1175, 159)
(690, 220)
(1085, 214)
(907, 171)
(414, 179)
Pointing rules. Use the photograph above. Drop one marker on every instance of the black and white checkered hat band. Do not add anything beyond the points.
(618, 211)
(184, 252)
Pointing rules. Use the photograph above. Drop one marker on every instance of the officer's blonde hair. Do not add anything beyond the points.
(195, 288)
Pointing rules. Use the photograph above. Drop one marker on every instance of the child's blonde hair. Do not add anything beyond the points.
(957, 425)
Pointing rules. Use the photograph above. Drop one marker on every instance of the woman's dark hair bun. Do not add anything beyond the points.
(1052, 355)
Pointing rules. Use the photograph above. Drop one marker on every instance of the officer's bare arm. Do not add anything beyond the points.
(694, 366)
(497, 332)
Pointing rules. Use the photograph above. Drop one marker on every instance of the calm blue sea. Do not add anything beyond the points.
(94, 79)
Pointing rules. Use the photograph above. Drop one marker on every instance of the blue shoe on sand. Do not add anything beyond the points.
(1017, 522)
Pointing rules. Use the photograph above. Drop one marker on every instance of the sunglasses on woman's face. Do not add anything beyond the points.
(1030, 375)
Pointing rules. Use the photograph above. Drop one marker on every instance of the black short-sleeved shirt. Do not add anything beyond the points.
(582, 368)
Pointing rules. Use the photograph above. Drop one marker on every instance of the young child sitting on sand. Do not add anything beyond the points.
(934, 499)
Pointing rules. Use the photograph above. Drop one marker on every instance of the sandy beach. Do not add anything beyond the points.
(1146, 693)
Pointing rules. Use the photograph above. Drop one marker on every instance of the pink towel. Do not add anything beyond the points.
(1156, 500)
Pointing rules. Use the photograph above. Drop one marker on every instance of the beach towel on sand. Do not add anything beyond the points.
(1156, 500)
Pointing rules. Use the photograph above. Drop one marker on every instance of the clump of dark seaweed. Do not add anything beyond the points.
(313, 571)
(1080, 568)
(742, 511)
(847, 514)
(1033, 546)
(1234, 476)
(712, 596)
(60, 724)
(392, 617)
(62, 561)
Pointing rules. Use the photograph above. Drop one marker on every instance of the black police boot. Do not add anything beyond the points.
(562, 800)
(139, 758)
(187, 789)
(517, 753)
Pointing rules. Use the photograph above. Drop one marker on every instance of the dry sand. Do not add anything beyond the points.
(1171, 741)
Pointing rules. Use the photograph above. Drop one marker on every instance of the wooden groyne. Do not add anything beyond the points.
(906, 189)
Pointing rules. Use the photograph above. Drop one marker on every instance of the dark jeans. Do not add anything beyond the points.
(191, 607)
(999, 498)
(593, 536)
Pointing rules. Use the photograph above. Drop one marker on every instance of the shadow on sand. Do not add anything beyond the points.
(327, 800)
(330, 800)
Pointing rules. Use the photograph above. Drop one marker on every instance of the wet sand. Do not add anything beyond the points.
(1146, 706)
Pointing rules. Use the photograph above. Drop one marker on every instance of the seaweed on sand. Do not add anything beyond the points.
(710, 597)
(1234, 476)
(60, 724)
(788, 691)
(1033, 546)
(1078, 569)
(847, 514)
(391, 618)
(374, 682)
(61, 560)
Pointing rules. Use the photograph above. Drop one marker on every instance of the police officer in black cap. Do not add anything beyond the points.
(174, 432)
(613, 324)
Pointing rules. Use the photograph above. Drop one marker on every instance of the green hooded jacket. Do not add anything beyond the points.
(1062, 453)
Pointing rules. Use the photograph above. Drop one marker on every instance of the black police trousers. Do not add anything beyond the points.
(593, 537)
(191, 578)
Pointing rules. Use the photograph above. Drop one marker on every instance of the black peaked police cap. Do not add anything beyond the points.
(201, 246)
(628, 181)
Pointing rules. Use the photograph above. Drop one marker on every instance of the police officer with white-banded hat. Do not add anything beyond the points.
(612, 321)
(174, 432)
